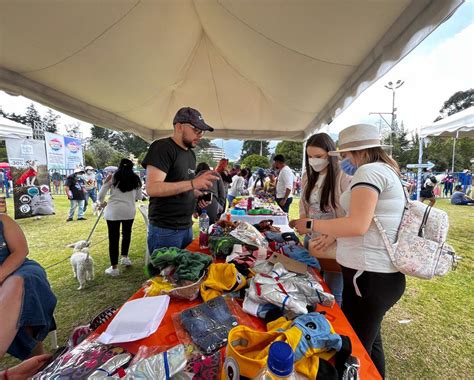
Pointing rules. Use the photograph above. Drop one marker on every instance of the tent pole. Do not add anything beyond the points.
(454, 151)
(420, 161)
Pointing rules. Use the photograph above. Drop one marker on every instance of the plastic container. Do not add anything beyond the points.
(203, 230)
(249, 203)
(279, 363)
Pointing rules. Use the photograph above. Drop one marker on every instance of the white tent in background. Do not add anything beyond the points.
(255, 69)
(460, 124)
(10, 129)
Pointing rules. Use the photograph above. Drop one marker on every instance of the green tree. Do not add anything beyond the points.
(293, 152)
(102, 154)
(457, 102)
(101, 133)
(32, 115)
(255, 161)
(254, 147)
(50, 121)
(203, 156)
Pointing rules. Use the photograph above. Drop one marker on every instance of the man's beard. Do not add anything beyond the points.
(188, 143)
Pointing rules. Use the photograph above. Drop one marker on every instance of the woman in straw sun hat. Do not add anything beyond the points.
(372, 285)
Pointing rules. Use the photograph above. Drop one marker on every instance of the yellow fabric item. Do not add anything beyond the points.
(247, 349)
(221, 278)
(156, 285)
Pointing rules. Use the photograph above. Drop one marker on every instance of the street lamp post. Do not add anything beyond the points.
(393, 86)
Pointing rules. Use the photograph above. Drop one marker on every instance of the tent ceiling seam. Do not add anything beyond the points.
(280, 44)
(87, 44)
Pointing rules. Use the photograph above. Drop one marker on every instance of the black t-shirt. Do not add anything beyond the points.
(76, 185)
(174, 212)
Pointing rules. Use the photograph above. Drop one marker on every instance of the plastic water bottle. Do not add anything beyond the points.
(203, 230)
(279, 363)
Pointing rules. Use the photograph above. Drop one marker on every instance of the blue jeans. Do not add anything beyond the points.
(286, 207)
(166, 237)
(74, 204)
(90, 194)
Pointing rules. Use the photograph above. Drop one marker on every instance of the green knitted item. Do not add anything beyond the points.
(221, 246)
(188, 265)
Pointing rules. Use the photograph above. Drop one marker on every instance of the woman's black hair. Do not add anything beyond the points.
(124, 178)
(202, 166)
(328, 196)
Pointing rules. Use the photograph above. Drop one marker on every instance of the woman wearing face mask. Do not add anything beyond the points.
(322, 185)
(372, 284)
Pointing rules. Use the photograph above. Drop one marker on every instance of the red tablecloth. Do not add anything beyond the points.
(166, 335)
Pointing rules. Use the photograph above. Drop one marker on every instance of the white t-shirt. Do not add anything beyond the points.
(237, 186)
(368, 252)
(285, 181)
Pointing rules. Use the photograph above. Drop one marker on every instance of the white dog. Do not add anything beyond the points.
(95, 208)
(82, 263)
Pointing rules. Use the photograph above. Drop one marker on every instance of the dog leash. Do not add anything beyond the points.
(93, 229)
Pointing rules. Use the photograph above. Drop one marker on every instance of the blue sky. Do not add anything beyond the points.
(438, 67)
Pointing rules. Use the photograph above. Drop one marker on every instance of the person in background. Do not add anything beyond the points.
(2, 184)
(460, 199)
(171, 183)
(270, 185)
(448, 182)
(56, 178)
(8, 182)
(259, 183)
(467, 181)
(427, 190)
(372, 284)
(284, 187)
(99, 177)
(221, 168)
(125, 189)
(237, 187)
(322, 185)
(217, 205)
(75, 191)
(90, 185)
(27, 302)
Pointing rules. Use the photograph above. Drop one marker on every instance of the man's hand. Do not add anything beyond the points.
(109, 177)
(282, 202)
(28, 368)
(203, 204)
(321, 243)
(205, 180)
(300, 225)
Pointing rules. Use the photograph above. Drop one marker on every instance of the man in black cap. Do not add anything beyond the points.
(171, 183)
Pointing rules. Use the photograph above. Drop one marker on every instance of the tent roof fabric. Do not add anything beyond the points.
(255, 69)
(11, 129)
(460, 124)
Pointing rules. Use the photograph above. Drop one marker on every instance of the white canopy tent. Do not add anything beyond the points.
(255, 69)
(10, 129)
(460, 124)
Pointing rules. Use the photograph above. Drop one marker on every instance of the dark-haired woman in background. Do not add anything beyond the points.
(125, 189)
(217, 205)
(322, 186)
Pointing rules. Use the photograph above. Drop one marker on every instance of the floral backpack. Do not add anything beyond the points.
(420, 248)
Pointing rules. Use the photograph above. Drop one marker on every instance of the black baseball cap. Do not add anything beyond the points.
(191, 116)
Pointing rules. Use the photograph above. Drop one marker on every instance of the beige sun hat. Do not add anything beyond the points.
(358, 137)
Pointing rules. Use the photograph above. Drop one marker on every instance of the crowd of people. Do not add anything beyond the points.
(341, 192)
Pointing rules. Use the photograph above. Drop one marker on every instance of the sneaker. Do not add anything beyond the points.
(81, 219)
(125, 261)
(69, 220)
(112, 272)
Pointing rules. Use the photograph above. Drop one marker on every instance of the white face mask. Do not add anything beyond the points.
(318, 164)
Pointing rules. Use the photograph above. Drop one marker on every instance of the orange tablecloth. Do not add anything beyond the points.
(166, 335)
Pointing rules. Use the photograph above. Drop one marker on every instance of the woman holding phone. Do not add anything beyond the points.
(322, 185)
(215, 195)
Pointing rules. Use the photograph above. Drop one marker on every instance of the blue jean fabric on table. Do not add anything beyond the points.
(301, 254)
(209, 324)
(38, 304)
(166, 237)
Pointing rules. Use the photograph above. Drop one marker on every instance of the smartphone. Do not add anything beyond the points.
(207, 197)
(309, 225)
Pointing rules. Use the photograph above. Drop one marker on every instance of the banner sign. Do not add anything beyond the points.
(63, 152)
(28, 167)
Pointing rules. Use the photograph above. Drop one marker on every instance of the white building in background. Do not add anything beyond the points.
(216, 152)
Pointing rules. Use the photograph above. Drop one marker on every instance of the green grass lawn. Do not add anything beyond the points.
(437, 343)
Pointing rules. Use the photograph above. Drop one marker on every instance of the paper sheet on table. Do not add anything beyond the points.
(137, 319)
